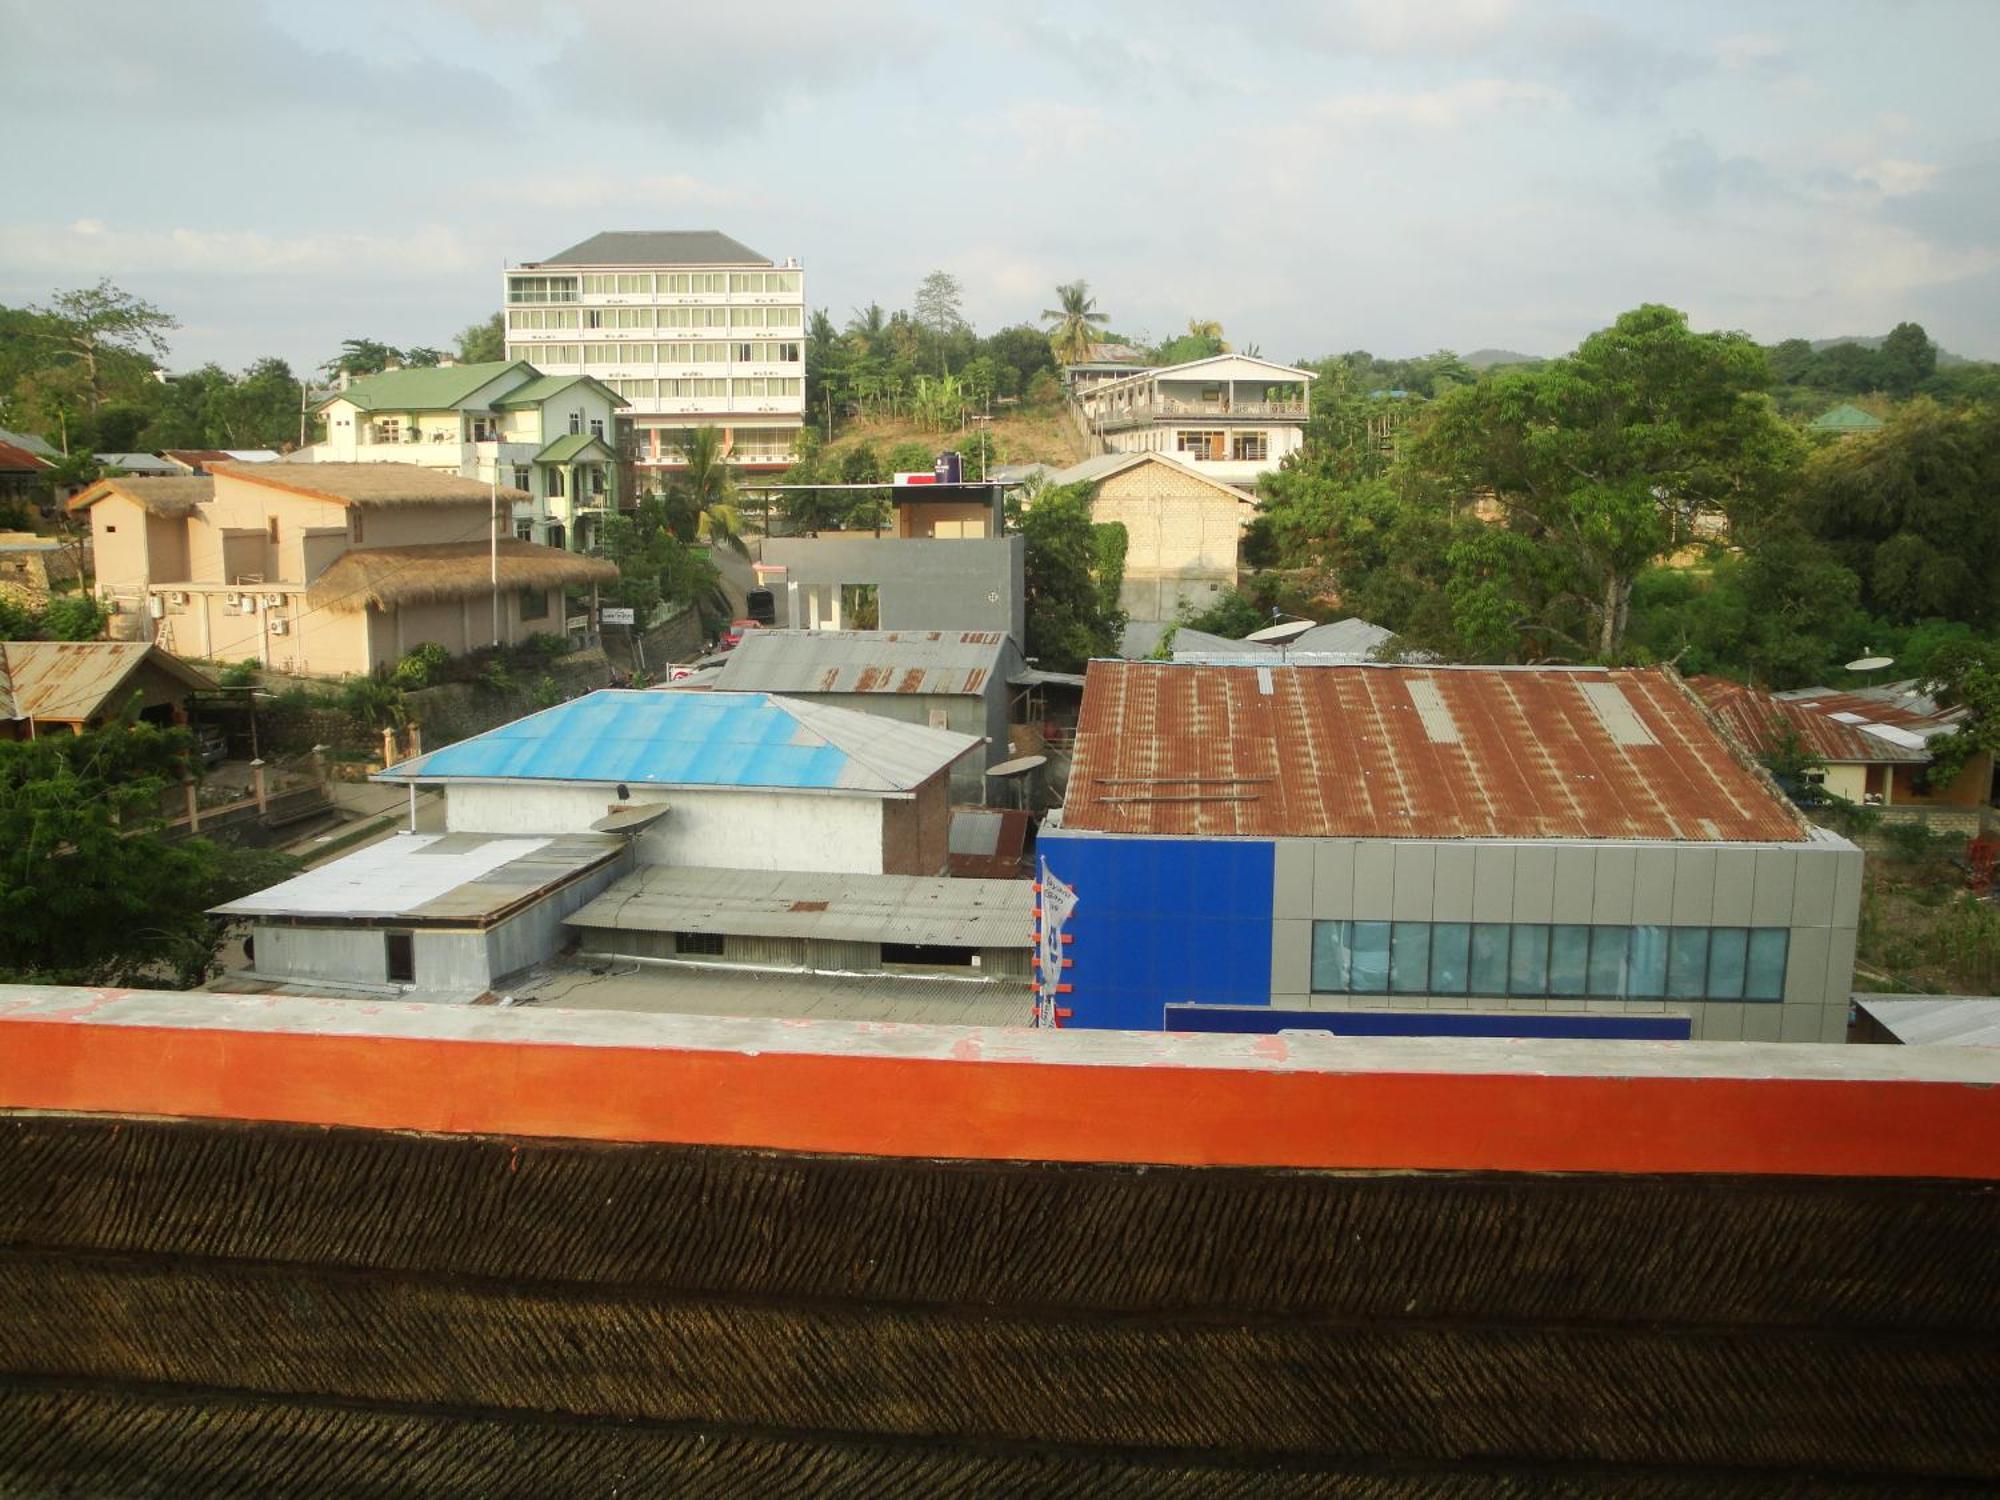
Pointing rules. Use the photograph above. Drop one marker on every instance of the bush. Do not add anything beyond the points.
(77, 617)
(421, 665)
(241, 674)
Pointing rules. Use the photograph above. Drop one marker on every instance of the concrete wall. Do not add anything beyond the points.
(731, 830)
(119, 535)
(1181, 538)
(923, 585)
(916, 832)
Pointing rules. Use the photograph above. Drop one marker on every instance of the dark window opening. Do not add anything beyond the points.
(534, 604)
(400, 951)
(700, 944)
(929, 955)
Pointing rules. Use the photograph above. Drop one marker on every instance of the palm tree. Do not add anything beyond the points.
(867, 326)
(1207, 328)
(701, 499)
(1073, 334)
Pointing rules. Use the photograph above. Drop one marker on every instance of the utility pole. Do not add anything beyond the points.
(493, 552)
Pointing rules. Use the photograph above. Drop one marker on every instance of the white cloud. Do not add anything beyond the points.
(93, 247)
(1445, 108)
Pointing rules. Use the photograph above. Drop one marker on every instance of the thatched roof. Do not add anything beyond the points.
(157, 496)
(388, 577)
(369, 484)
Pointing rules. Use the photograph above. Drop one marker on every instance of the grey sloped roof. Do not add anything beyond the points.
(658, 247)
(956, 663)
(939, 910)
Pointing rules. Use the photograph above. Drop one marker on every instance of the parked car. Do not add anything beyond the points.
(733, 636)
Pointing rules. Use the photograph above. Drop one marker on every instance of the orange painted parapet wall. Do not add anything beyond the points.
(990, 1094)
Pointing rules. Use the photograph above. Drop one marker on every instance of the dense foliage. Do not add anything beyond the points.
(90, 892)
(1073, 572)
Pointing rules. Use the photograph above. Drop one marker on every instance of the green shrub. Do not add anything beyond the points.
(76, 617)
(241, 673)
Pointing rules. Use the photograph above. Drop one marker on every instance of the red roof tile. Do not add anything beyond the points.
(1758, 719)
(1368, 751)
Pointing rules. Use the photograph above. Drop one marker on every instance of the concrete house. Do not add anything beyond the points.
(1233, 416)
(1389, 849)
(324, 570)
(946, 679)
(1183, 529)
(554, 438)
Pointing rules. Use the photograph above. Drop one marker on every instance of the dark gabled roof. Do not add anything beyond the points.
(543, 387)
(658, 247)
(18, 460)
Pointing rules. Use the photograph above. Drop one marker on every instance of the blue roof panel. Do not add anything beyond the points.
(648, 739)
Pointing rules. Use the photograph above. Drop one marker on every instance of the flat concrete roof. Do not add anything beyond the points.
(674, 989)
(436, 879)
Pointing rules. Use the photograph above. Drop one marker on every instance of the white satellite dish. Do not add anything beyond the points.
(1016, 766)
(1871, 663)
(1273, 635)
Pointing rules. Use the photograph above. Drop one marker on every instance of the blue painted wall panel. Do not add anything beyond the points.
(1657, 1028)
(1163, 921)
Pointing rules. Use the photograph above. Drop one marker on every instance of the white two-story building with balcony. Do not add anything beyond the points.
(1233, 417)
(689, 326)
(553, 437)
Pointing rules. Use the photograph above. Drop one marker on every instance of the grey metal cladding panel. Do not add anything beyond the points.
(1534, 885)
(1416, 883)
(1847, 887)
(1833, 1022)
(1333, 878)
(1451, 896)
(1771, 899)
(1291, 956)
(1735, 881)
(1292, 878)
(1812, 893)
(1694, 887)
(1799, 1023)
(1762, 1023)
(1717, 1022)
(1806, 966)
(1840, 963)
(1493, 884)
(1611, 902)
(1374, 880)
(1574, 894)
(1653, 885)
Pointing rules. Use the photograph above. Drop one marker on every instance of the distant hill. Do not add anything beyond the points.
(1874, 341)
(1486, 359)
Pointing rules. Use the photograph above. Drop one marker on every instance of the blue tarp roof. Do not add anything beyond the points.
(697, 739)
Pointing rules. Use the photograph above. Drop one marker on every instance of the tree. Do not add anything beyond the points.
(1603, 460)
(1906, 359)
(484, 342)
(1209, 329)
(1075, 317)
(1071, 599)
(867, 326)
(701, 499)
(938, 304)
(1910, 511)
(88, 322)
(363, 357)
(1965, 674)
(422, 356)
(90, 892)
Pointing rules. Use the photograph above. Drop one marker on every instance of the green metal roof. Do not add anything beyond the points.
(1847, 418)
(571, 446)
(542, 387)
(430, 388)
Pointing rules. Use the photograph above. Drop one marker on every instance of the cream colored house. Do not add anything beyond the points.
(324, 570)
(1182, 529)
(555, 438)
(1233, 416)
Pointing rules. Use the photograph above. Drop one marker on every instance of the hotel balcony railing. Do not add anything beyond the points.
(530, 299)
(1142, 413)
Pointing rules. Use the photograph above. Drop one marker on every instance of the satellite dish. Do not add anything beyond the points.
(1871, 663)
(1018, 765)
(631, 819)
(1272, 635)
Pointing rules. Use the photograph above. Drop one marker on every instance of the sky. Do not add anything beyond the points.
(1398, 177)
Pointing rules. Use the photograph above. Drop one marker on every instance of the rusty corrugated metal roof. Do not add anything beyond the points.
(949, 663)
(1377, 751)
(70, 681)
(1758, 719)
(17, 460)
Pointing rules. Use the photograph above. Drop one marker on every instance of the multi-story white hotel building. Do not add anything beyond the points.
(690, 327)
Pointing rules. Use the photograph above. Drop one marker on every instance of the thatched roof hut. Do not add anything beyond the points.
(370, 484)
(171, 498)
(388, 577)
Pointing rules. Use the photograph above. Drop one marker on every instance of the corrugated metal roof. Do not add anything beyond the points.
(714, 739)
(1758, 719)
(1344, 751)
(950, 663)
(1937, 1020)
(17, 460)
(843, 908)
(1883, 707)
(460, 878)
(426, 387)
(70, 681)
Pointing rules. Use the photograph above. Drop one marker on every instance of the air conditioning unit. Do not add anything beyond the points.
(155, 605)
(279, 625)
(274, 601)
(249, 604)
(178, 600)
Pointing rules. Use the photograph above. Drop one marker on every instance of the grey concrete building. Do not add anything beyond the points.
(966, 583)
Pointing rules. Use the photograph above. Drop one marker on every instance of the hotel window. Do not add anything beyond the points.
(534, 604)
(686, 388)
(635, 284)
(524, 531)
(575, 423)
(597, 427)
(708, 281)
(1200, 444)
(744, 353)
(1562, 960)
(707, 354)
(782, 317)
(746, 281)
(640, 389)
(634, 317)
(635, 354)
(1250, 447)
(673, 284)
(746, 317)
(541, 289)
(556, 487)
(593, 317)
(558, 354)
(781, 281)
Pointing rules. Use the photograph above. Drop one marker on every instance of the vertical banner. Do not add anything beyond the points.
(1057, 901)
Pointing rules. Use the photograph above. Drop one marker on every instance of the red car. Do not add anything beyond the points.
(733, 636)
